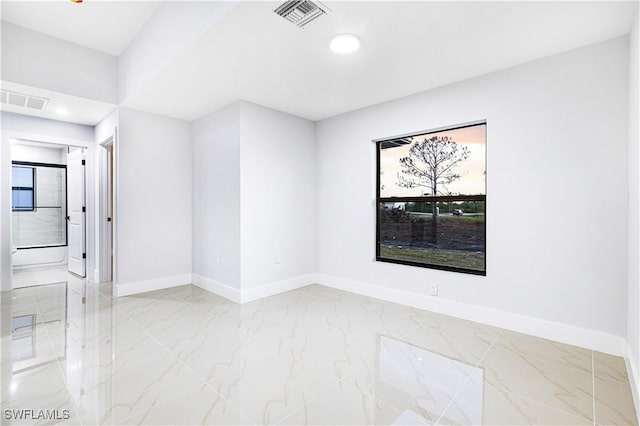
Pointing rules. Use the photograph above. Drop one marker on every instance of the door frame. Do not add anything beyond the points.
(8, 137)
(106, 186)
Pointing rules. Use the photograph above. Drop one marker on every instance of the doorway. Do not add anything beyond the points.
(107, 210)
(48, 226)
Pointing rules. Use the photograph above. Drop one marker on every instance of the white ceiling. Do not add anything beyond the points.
(108, 26)
(406, 48)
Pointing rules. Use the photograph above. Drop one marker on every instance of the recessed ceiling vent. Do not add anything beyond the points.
(301, 12)
(23, 100)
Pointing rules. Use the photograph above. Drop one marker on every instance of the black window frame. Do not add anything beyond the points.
(24, 188)
(402, 139)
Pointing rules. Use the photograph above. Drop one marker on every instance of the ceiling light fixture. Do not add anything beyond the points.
(344, 43)
(62, 111)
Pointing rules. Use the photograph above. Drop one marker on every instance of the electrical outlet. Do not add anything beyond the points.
(276, 258)
(434, 289)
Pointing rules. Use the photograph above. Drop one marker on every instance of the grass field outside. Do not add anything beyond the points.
(455, 258)
(467, 218)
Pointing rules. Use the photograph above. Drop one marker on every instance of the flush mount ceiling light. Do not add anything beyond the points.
(344, 43)
(62, 111)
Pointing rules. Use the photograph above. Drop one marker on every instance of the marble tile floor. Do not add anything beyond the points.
(310, 356)
(27, 277)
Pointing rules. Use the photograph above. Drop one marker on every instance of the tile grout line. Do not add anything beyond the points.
(170, 352)
(563, 366)
(467, 380)
(242, 413)
(321, 393)
(281, 312)
(527, 398)
(209, 383)
(593, 386)
(557, 363)
(124, 420)
(60, 369)
(205, 382)
(340, 381)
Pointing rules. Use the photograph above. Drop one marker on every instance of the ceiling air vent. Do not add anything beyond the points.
(301, 12)
(23, 100)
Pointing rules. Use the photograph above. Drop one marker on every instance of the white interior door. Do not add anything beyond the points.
(76, 212)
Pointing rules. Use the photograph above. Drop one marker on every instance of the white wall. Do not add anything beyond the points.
(633, 320)
(254, 181)
(556, 191)
(38, 154)
(277, 199)
(38, 60)
(154, 202)
(107, 127)
(22, 127)
(169, 31)
(216, 198)
(5, 209)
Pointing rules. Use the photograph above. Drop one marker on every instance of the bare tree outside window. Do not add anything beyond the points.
(432, 164)
(431, 195)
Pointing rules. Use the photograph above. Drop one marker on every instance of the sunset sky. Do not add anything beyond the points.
(472, 169)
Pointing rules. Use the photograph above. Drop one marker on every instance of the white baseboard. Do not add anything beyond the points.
(277, 287)
(632, 370)
(254, 293)
(218, 288)
(564, 333)
(135, 287)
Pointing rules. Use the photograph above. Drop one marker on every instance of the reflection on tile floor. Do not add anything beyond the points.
(28, 277)
(309, 356)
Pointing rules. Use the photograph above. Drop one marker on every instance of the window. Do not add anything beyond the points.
(431, 199)
(39, 205)
(22, 193)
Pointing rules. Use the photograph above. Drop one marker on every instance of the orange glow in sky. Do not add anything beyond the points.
(472, 169)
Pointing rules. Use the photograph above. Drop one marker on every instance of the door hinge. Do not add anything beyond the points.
(108, 219)
(84, 255)
(84, 209)
(83, 163)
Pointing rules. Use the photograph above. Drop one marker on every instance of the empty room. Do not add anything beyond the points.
(320, 212)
